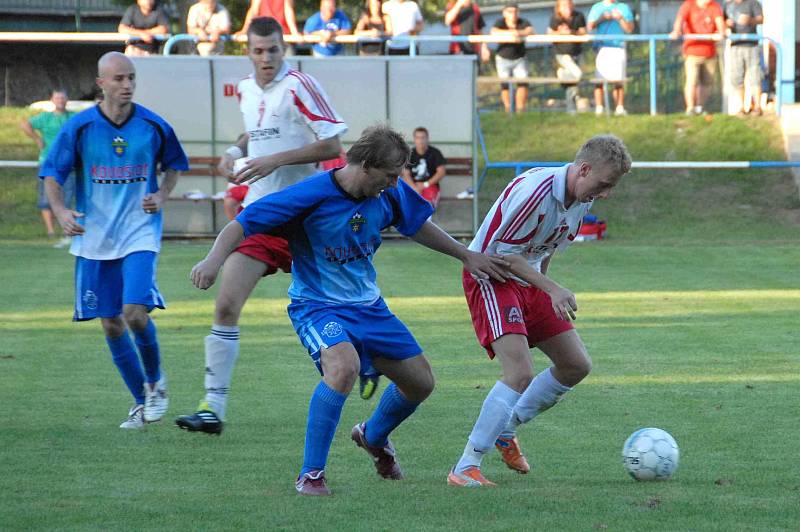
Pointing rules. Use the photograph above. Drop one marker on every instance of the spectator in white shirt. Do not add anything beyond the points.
(208, 20)
(405, 19)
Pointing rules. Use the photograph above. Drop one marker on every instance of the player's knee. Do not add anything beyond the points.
(136, 317)
(113, 327)
(519, 382)
(578, 370)
(422, 388)
(226, 311)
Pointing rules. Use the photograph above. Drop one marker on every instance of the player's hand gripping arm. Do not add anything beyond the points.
(205, 272)
(321, 150)
(67, 218)
(478, 264)
(225, 166)
(563, 300)
(152, 203)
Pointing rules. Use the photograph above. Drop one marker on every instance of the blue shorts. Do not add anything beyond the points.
(103, 286)
(372, 329)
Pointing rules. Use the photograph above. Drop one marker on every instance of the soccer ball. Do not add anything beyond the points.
(650, 454)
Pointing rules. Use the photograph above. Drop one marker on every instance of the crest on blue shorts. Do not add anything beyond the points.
(332, 329)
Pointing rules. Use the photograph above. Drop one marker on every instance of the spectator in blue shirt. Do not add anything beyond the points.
(328, 23)
(610, 17)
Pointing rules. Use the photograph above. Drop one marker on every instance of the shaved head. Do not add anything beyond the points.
(116, 77)
(111, 61)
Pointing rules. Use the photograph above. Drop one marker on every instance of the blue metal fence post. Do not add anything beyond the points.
(653, 87)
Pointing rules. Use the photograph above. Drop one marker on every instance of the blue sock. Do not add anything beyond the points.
(323, 417)
(147, 342)
(127, 361)
(392, 410)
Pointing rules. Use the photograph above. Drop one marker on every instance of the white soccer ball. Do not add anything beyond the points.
(650, 454)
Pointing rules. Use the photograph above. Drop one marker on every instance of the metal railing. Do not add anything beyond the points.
(415, 40)
(541, 40)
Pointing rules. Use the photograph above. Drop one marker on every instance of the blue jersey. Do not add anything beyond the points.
(334, 236)
(609, 26)
(116, 166)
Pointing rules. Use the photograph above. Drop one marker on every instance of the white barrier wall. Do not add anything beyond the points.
(197, 95)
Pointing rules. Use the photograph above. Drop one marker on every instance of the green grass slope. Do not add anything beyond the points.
(655, 205)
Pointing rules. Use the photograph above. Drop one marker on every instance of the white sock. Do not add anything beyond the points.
(543, 392)
(222, 349)
(494, 416)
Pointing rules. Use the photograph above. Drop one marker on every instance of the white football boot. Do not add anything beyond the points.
(156, 400)
(135, 418)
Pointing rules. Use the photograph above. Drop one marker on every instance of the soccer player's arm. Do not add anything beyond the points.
(411, 217)
(311, 105)
(265, 215)
(173, 161)
(512, 247)
(54, 171)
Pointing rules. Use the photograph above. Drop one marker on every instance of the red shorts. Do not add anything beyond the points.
(431, 194)
(271, 250)
(509, 308)
(237, 193)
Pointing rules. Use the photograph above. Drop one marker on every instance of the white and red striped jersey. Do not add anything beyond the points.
(292, 111)
(529, 217)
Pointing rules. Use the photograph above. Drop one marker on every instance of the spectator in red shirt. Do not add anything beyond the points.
(464, 18)
(280, 10)
(698, 17)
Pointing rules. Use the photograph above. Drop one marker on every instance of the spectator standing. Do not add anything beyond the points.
(744, 16)
(425, 167)
(610, 17)
(567, 21)
(327, 23)
(403, 18)
(280, 10)
(700, 57)
(209, 20)
(143, 20)
(43, 129)
(511, 59)
(372, 24)
(464, 18)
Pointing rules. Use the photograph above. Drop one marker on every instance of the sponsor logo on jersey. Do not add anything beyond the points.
(513, 314)
(119, 144)
(266, 133)
(356, 222)
(90, 299)
(345, 254)
(332, 329)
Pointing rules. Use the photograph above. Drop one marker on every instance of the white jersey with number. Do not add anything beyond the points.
(292, 111)
(529, 217)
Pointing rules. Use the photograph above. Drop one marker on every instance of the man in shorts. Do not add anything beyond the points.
(333, 222)
(511, 59)
(700, 57)
(610, 17)
(290, 127)
(539, 212)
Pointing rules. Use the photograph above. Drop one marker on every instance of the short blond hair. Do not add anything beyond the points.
(605, 150)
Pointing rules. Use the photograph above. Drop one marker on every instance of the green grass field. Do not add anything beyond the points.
(689, 311)
(690, 338)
